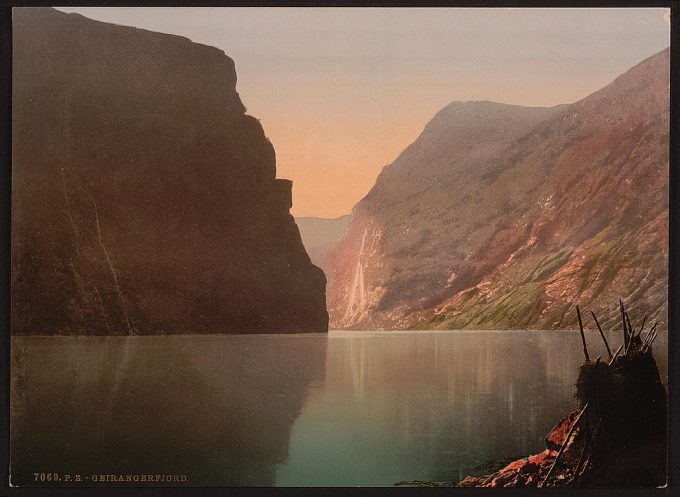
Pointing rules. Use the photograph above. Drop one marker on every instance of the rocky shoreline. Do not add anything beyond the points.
(617, 438)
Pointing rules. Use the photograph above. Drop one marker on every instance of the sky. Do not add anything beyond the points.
(341, 92)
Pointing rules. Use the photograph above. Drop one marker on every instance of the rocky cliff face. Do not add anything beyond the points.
(144, 198)
(500, 216)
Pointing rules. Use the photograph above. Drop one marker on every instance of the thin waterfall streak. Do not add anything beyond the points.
(356, 292)
(72, 221)
(362, 288)
(113, 271)
(357, 302)
(101, 305)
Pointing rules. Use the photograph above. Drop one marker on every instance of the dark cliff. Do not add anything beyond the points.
(144, 199)
(501, 216)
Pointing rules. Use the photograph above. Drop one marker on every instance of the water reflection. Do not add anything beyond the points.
(349, 408)
(431, 406)
(218, 409)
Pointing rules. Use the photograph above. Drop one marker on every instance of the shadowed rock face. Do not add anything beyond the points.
(144, 198)
(501, 216)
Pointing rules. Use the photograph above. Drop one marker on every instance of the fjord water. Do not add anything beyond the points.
(343, 409)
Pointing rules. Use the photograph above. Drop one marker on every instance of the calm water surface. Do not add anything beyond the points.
(343, 409)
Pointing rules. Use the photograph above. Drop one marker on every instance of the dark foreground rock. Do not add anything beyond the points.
(617, 439)
(144, 198)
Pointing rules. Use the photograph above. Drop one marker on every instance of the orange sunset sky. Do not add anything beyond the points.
(342, 91)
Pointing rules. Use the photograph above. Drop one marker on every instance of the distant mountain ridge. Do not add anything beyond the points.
(502, 216)
(318, 231)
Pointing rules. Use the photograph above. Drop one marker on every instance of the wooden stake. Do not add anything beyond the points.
(583, 336)
(631, 333)
(642, 326)
(590, 449)
(656, 334)
(651, 341)
(601, 334)
(597, 395)
(623, 320)
(586, 443)
(649, 335)
(616, 354)
(564, 444)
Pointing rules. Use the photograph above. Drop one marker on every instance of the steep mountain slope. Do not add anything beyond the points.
(504, 217)
(144, 198)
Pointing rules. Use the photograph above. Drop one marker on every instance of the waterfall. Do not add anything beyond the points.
(357, 301)
(113, 271)
(69, 215)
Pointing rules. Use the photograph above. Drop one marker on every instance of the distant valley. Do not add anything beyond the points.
(317, 232)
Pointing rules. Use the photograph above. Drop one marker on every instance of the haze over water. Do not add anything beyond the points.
(344, 409)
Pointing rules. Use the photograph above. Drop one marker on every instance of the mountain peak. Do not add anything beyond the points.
(646, 84)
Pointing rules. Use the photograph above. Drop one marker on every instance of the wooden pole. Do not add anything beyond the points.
(616, 354)
(649, 335)
(601, 334)
(564, 444)
(642, 326)
(590, 450)
(586, 443)
(623, 320)
(651, 341)
(631, 332)
(656, 334)
(583, 336)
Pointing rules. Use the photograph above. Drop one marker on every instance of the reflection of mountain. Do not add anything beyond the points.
(144, 198)
(500, 216)
(434, 405)
(408, 406)
(219, 409)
